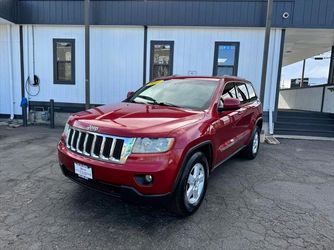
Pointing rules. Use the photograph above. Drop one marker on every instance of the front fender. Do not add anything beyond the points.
(187, 153)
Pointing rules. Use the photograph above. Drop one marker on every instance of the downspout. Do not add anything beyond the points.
(24, 108)
(29, 69)
(10, 65)
(87, 53)
(271, 127)
(145, 55)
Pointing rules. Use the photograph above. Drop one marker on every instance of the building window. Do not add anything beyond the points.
(64, 61)
(161, 59)
(226, 58)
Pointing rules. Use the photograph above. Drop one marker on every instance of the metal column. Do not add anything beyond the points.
(24, 106)
(87, 55)
(266, 49)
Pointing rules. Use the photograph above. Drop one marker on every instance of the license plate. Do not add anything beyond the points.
(83, 171)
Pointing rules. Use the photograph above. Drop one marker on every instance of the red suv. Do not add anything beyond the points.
(162, 142)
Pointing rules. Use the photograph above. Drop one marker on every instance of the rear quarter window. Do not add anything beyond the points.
(251, 92)
(242, 92)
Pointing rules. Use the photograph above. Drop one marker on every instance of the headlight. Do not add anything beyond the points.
(66, 130)
(147, 145)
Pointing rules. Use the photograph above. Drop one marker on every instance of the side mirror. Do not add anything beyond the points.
(230, 104)
(130, 93)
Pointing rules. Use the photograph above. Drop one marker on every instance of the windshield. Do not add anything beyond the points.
(183, 93)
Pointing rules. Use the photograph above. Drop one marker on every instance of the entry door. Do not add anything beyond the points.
(161, 59)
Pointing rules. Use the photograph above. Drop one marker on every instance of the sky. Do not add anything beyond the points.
(313, 68)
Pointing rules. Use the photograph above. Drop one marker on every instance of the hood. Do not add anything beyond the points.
(134, 119)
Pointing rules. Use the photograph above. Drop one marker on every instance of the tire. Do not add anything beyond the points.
(185, 202)
(252, 149)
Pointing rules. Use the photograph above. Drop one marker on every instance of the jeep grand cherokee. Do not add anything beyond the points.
(163, 141)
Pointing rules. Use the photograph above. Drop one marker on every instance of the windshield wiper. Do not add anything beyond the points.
(168, 104)
(158, 103)
(133, 101)
(148, 98)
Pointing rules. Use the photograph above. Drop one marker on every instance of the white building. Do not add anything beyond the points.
(131, 42)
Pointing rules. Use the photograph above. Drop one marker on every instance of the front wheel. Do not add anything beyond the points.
(192, 185)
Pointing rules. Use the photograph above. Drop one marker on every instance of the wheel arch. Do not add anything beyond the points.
(259, 122)
(206, 148)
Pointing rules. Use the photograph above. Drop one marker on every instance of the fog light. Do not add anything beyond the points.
(148, 178)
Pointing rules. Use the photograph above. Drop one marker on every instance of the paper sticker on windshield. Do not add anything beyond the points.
(154, 83)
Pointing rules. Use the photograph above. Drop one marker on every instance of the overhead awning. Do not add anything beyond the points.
(301, 44)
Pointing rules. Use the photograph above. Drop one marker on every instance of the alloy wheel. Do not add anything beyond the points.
(195, 184)
(255, 143)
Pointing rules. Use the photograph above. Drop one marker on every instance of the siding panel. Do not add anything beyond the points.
(194, 51)
(322, 18)
(50, 12)
(117, 59)
(116, 62)
(5, 101)
(249, 13)
(8, 9)
(43, 57)
(313, 14)
(227, 13)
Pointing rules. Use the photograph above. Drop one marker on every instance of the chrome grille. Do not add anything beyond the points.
(99, 146)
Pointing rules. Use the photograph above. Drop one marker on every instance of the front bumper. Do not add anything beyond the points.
(123, 192)
(119, 179)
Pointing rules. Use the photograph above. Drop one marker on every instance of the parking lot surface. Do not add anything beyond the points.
(284, 199)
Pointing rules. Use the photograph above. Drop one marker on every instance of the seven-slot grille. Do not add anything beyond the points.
(99, 146)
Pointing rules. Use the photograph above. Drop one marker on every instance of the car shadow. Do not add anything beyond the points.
(90, 200)
(99, 212)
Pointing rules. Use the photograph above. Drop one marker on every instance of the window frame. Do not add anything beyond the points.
(236, 59)
(171, 55)
(55, 61)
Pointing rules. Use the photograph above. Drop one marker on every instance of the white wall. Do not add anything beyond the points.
(117, 58)
(194, 51)
(39, 61)
(329, 100)
(308, 99)
(116, 62)
(5, 101)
